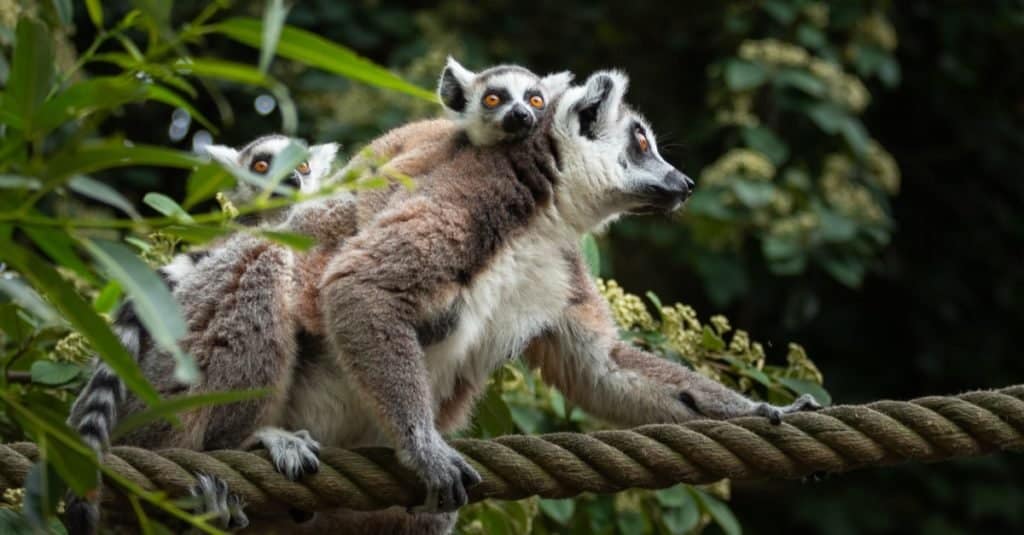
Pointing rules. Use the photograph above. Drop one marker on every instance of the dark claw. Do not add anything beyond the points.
(310, 466)
(299, 516)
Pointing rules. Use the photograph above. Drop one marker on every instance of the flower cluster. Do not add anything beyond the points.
(843, 193)
(745, 162)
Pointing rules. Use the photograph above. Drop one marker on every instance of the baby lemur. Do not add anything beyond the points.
(95, 410)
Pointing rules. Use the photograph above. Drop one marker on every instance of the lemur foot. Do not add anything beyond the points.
(446, 474)
(805, 402)
(294, 454)
(214, 498)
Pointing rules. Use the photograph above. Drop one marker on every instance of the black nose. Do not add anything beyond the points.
(517, 121)
(676, 181)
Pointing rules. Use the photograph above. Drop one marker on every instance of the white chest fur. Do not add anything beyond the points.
(520, 293)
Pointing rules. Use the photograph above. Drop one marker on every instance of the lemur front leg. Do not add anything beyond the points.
(615, 381)
(371, 294)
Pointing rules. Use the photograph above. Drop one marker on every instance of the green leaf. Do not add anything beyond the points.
(28, 299)
(711, 341)
(829, 117)
(765, 141)
(311, 49)
(845, 269)
(197, 234)
(591, 254)
(492, 417)
(176, 405)
(683, 519)
(855, 135)
(631, 521)
(719, 512)
(204, 184)
(77, 312)
(43, 491)
(801, 386)
(560, 511)
(99, 191)
(90, 158)
(779, 248)
(299, 242)
(32, 71)
(54, 373)
(19, 182)
(676, 496)
(106, 300)
(87, 97)
(56, 243)
(753, 194)
(782, 10)
(742, 75)
(95, 9)
(223, 70)
(528, 419)
(153, 303)
(284, 164)
(166, 206)
(65, 12)
(162, 94)
(802, 80)
(836, 228)
(273, 20)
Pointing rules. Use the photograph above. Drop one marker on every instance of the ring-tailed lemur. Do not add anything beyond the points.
(499, 104)
(95, 411)
(480, 263)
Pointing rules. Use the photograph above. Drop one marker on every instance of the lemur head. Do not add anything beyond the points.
(611, 165)
(258, 155)
(502, 103)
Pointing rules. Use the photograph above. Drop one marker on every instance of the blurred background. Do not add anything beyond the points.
(859, 193)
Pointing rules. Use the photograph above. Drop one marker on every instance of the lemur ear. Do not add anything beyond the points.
(556, 83)
(601, 103)
(321, 157)
(451, 89)
(223, 154)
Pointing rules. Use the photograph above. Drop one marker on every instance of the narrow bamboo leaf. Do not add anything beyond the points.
(223, 70)
(106, 300)
(284, 164)
(181, 404)
(166, 206)
(153, 303)
(197, 234)
(18, 182)
(65, 12)
(96, 190)
(90, 158)
(32, 70)
(299, 242)
(42, 491)
(311, 49)
(273, 20)
(95, 9)
(26, 297)
(59, 246)
(80, 315)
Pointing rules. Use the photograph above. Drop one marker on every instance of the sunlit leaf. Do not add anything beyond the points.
(19, 182)
(299, 242)
(96, 190)
(87, 159)
(162, 94)
(273, 20)
(204, 184)
(95, 9)
(59, 246)
(85, 320)
(223, 70)
(311, 49)
(166, 206)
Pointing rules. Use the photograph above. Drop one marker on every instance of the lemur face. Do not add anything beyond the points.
(258, 156)
(500, 104)
(611, 154)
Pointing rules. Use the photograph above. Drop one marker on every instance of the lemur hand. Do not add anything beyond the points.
(446, 474)
(774, 413)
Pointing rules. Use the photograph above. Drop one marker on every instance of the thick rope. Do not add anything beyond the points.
(560, 465)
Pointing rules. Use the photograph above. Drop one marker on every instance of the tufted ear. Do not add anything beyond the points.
(556, 83)
(223, 154)
(454, 84)
(598, 109)
(320, 159)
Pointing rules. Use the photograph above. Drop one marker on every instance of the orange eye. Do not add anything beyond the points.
(537, 101)
(303, 168)
(641, 140)
(491, 100)
(259, 166)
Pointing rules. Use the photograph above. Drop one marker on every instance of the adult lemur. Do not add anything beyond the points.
(478, 264)
(95, 410)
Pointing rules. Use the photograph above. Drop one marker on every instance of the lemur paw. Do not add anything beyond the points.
(446, 474)
(214, 499)
(293, 454)
(805, 402)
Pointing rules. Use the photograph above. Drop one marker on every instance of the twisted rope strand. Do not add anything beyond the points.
(560, 465)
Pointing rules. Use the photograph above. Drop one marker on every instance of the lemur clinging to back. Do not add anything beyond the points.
(95, 410)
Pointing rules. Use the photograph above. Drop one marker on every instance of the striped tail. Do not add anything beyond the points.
(94, 413)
